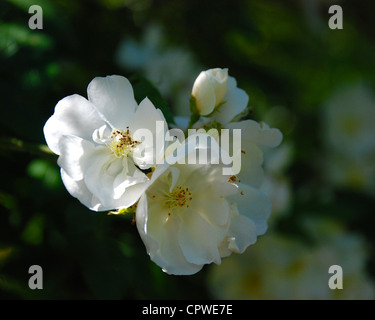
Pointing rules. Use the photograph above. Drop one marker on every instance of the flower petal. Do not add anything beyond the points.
(74, 152)
(259, 133)
(78, 189)
(73, 115)
(132, 194)
(129, 176)
(214, 210)
(113, 96)
(199, 240)
(241, 234)
(152, 119)
(254, 204)
(160, 238)
(204, 94)
(236, 101)
(97, 179)
(252, 172)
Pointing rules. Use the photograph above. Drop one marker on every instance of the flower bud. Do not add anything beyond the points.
(209, 89)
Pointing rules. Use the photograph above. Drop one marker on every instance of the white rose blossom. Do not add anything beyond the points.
(192, 215)
(98, 152)
(216, 94)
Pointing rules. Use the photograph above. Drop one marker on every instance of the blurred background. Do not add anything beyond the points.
(315, 84)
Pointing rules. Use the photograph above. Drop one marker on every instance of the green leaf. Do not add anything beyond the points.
(144, 88)
(33, 232)
(43, 170)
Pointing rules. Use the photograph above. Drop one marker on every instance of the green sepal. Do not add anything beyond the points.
(123, 211)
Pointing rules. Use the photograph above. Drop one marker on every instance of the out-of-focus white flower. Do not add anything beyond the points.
(216, 94)
(349, 137)
(98, 152)
(171, 69)
(348, 121)
(280, 267)
(276, 183)
(192, 215)
(350, 172)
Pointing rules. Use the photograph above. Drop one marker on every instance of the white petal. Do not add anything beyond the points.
(259, 133)
(113, 96)
(160, 239)
(159, 171)
(212, 206)
(219, 78)
(73, 115)
(74, 153)
(132, 193)
(199, 240)
(241, 234)
(204, 94)
(152, 119)
(254, 204)
(79, 190)
(236, 101)
(175, 261)
(146, 116)
(127, 177)
(97, 179)
(105, 178)
(251, 165)
(251, 153)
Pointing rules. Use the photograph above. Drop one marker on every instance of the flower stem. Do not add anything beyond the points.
(15, 144)
(194, 117)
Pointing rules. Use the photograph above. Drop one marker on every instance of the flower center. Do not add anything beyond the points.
(122, 142)
(179, 197)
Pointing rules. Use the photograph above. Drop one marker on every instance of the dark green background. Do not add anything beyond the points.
(273, 52)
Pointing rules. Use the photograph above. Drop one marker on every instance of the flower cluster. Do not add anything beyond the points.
(191, 207)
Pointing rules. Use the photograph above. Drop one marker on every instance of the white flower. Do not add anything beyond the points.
(348, 121)
(98, 153)
(255, 137)
(216, 94)
(192, 215)
(349, 138)
(171, 69)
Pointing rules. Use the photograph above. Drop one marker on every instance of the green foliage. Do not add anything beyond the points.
(47, 172)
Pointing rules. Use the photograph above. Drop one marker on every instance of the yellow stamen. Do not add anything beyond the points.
(122, 142)
(179, 197)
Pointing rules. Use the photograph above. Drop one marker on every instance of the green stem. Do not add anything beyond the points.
(14, 144)
(194, 117)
